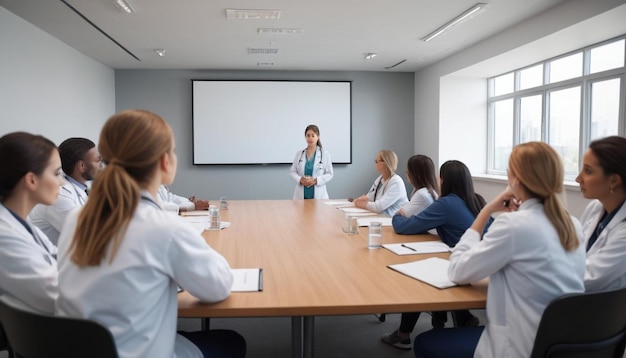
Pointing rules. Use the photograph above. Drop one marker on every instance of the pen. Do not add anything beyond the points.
(408, 247)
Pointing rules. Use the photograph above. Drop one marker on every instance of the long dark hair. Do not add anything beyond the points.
(22, 153)
(421, 172)
(457, 179)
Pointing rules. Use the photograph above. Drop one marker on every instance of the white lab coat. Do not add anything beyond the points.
(167, 198)
(420, 200)
(527, 269)
(135, 295)
(28, 271)
(322, 170)
(50, 218)
(389, 197)
(605, 265)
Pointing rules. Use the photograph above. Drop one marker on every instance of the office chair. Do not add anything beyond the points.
(32, 335)
(583, 325)
(4, 344)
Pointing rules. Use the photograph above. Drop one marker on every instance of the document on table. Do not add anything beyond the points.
(356, 210)
(365, 221)
(422, 247)
(195, 213)
(247, 280)
(339, 203)
(433, 271)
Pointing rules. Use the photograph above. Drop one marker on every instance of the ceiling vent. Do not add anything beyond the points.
(262, 51)
(252, 14)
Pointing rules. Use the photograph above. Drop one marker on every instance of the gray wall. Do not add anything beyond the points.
(382, 118)
(49, 88)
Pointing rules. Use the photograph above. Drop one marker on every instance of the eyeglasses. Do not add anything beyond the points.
(378, 161)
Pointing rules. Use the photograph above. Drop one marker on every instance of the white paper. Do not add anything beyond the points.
(195, 213)
(433, 271)
(422, 247)
(367, 220)
(339, 203)
(354, 210)
(247, 280)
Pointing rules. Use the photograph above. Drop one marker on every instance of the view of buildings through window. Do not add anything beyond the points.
(566, 101)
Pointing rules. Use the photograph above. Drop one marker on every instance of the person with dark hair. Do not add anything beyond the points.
(420, 170)
(121, 256)
(531, 255)
(312, 167)
(388, 193)
(603, 179)
(81, 162)
(30, 175)
(451, 214)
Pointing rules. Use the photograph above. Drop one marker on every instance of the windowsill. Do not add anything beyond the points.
(501, 179)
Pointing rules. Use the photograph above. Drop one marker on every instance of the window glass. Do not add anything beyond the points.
(607, 57)
(567, 67)
(604, 108)
(531, 77)
(564, 125)
(503, 84)
(530, 118)
(503, 133)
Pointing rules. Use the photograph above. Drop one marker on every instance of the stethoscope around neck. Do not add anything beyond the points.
(304, 151)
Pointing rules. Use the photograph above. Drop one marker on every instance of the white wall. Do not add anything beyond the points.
(49, 88)
(450, 113)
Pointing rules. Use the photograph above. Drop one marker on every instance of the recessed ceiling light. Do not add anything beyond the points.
(259, 14)
(160, 52)
(280, 31)
(370, 55)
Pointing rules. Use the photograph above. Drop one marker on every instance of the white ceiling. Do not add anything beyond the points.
(336, 33)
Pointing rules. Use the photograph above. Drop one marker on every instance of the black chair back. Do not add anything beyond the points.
(583, 325)
(32, 335)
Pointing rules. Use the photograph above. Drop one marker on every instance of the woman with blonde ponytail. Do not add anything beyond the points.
(121, 257)
(531, 254)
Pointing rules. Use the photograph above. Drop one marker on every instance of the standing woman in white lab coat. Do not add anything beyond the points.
(30, 175)
(532, 254)
(121, 257)
(312, 167)
(603, 178)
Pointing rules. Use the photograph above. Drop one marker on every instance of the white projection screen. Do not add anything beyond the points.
(263, 122)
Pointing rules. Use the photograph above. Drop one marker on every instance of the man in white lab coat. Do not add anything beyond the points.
(81, 162)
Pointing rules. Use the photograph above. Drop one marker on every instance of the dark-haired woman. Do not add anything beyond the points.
(603, 178)
(30, 175)
(312, 167)
(450, 215)
(121, 257)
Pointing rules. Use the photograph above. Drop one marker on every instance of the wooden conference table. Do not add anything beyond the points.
(312, 268)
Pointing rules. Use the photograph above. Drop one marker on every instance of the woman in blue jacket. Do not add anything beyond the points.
(451, 214)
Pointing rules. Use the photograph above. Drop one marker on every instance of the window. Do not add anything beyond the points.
(567, 101)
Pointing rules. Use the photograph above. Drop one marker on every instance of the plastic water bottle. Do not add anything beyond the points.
(214, 217)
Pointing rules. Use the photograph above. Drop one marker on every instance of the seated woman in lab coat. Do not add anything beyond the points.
(531, 254)
(121, 256)
(388, 194)
(420, 170)
(30, 175)
(603, 178)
